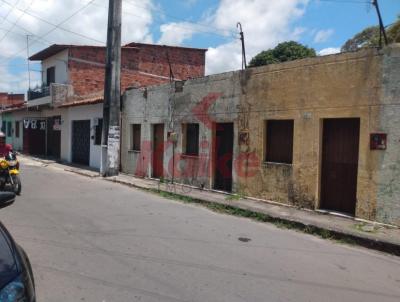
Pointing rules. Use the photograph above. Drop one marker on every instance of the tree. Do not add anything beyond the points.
(283, 52)
(369, 37)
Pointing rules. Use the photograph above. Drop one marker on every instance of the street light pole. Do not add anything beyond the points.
(112, 93)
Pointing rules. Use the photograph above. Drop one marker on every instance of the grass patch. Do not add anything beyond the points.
(256, 216)
(338, 237)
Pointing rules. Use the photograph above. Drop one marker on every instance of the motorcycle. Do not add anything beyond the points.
(9, 173)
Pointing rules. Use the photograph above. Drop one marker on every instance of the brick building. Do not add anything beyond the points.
(68, 105)
(11, 99)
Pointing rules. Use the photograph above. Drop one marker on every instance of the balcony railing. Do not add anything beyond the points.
(38, 93)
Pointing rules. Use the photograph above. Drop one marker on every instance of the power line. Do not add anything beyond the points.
(208, 27)
(16, 21)
(27, 31)
(9, 12)
(56, 26)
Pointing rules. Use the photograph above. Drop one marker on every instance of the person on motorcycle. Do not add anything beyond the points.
(5, 149)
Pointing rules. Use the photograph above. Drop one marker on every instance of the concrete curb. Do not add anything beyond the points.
(83, 173)
(309, 228)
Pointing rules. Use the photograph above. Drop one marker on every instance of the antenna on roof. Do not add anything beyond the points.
(244, 63)
(382, 30)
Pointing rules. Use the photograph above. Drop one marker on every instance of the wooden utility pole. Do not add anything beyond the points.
(112, 93)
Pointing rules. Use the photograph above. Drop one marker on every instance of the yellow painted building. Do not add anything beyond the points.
(321, 133)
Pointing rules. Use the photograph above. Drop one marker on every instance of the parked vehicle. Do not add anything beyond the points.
(9, 173)
(16, 276)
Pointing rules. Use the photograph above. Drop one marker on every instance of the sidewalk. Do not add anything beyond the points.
(365, 233)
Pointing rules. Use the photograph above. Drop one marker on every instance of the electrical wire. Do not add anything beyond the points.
(28, 31)
(210, 30)
(17, 20)
(55, 26)
(9, 12)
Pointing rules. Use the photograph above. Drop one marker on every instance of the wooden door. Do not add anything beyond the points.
(158, 150)
(223, 156)
(81, 142)
(340, 164)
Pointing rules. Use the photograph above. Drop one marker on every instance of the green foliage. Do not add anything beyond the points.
(283, 52)
(369, 37)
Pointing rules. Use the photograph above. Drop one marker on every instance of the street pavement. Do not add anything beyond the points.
(93, 240)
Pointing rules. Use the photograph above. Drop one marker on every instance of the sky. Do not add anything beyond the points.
(322, 24)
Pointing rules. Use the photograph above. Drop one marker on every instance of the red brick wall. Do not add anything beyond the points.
(185, 62)
(11, 99)
(88, 77)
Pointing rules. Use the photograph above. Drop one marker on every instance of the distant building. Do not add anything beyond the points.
(64, 117)
(11, 100)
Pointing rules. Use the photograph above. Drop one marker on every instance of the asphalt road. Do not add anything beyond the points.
(92, 240)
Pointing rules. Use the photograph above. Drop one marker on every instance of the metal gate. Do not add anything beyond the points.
(81, 142)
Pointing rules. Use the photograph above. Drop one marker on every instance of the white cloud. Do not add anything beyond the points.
(176, 33)
(91, 22)
(323, 35)
(329, 51)
(265, 23)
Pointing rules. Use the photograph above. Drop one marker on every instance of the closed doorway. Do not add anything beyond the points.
(34, 137)
(81, 142)
(340, 146)
(223, 156)
(158, 151)
(54, 137)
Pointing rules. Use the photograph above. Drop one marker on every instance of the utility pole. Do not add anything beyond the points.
(244, 63)
(112, 93)
(381, 26)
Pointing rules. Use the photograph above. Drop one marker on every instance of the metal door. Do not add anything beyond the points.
(81, 142)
